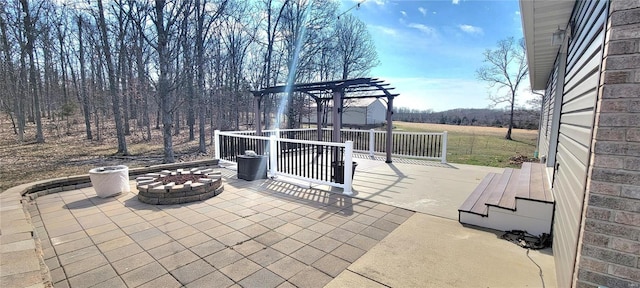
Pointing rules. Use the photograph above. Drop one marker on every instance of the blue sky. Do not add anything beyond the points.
(430, 50)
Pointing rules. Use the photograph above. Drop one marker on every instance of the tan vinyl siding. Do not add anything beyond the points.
(576, 123)
(547, 113)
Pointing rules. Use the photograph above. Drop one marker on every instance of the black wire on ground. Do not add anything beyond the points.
(539, 268)
(529, 241)
(526, 240)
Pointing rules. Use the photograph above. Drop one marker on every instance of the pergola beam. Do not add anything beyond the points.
(336, 91)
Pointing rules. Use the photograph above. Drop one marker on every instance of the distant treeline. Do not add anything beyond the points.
(522, 118)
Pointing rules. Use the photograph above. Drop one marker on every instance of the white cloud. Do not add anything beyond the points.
(423, 28)
(403, 13)
(517, 12)
(455, 2)
(471, 29)
(423, 11)
(384, 30)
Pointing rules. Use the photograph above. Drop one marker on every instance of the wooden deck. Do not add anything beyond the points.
(501, 190)
(517, 199)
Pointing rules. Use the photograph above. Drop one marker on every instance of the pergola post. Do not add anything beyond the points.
(319, 118)
(389, 144)
(257, 99)
(336, 112)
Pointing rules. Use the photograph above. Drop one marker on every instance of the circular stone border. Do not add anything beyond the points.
(152, 191)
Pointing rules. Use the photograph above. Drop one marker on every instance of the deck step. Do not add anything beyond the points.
(502, 190)
(477, 193)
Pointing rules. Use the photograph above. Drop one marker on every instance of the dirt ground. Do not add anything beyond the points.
(67, 152)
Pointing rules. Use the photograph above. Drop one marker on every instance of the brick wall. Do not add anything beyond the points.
(610, 251)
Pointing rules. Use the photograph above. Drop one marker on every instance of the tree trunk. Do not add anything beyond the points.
(11, 79)
(164, 96)
(83, 82)
(30, 33)
(121, 74)
(122, 144)
(513, 102)
(200, 88)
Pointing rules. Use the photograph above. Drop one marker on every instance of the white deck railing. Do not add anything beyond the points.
(430, 146)
(310, 161)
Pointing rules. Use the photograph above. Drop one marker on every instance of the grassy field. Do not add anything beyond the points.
(66, 152)
(479, 145)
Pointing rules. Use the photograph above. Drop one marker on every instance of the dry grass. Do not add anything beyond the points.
(476, 145)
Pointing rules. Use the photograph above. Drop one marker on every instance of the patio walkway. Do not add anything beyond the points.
(429, 187)
(255, 234)
(272, 234)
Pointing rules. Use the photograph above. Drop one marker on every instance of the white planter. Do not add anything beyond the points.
(109, 181)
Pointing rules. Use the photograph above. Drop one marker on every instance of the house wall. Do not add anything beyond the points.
(572, 122)
(376, 113)
(547, 113)
(609, 253)
(373, 114)
(355, 115)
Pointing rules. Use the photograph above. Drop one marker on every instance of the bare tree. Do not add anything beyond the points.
(506, 68)
(122, 142)
(356, 52)
(165, 22)
(204, 20)
(30, 33)
(9, 75)
(83, 81)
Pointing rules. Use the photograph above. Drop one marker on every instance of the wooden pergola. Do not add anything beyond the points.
(336, 91)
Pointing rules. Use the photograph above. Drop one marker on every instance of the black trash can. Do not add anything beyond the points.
(338, 171)
(252, 167)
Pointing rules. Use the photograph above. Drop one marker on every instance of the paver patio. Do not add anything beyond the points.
(255, 234)
(268, 233)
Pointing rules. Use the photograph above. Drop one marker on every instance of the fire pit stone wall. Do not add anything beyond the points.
(179, 186)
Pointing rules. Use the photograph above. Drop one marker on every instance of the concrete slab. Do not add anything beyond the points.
(350, 279)
(16, 262)
(430, 251)
(430, 187)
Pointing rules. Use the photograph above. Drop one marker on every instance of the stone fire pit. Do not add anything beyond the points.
(179, 186)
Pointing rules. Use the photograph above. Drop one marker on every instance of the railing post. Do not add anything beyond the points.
(216, 136)
(348, 168)
(372, 142)
(273, 155)
(444, 147)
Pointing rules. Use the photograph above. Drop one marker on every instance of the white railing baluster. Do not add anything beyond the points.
(372, 142)
(273, 155)
(348, 168)
(216, 151)
(444, 147)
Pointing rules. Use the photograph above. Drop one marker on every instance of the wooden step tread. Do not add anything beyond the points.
(496, 194)
(480, 207)
(545, 181)
(537, 184)
(474, 197)
(508, 199)
(524, 182)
